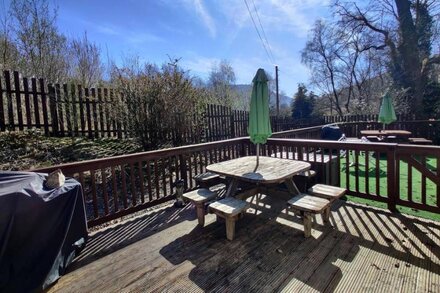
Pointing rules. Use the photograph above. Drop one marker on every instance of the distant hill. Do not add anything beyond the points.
(245, 91)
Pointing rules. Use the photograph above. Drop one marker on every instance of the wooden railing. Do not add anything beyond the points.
(405, 175)
(313, 132)
(117, 186)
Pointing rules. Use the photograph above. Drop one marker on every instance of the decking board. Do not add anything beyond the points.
(166, 251)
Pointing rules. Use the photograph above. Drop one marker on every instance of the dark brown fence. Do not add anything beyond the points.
(117, 186)
(71, 110)
(58, 110)
(363, 118)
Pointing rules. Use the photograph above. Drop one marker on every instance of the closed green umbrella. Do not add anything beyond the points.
(259, 120)
(386, 113)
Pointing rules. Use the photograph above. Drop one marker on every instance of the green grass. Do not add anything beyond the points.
(431, 187)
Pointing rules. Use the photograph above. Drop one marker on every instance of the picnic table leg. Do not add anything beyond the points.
(291, 186)
(326, 215)
(232, 188)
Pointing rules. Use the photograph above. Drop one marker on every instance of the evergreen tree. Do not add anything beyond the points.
(302, 105)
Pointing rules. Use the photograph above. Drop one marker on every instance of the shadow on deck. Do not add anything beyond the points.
(363, 249)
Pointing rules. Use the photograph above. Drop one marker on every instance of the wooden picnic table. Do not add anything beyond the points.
(387, 133)
(269, 171)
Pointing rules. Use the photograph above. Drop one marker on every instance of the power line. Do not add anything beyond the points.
(258, 32)
(264, 33)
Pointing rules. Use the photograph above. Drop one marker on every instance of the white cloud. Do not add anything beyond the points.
(133, 37)
(203, 14)
(199, 65)
(106, 29)
(142, 37)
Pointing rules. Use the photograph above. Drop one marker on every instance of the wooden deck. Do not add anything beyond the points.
(365, 249)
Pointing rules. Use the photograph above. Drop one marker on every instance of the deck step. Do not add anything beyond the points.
(327, 191)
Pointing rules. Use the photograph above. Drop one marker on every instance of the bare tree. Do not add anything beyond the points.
(8, 50)
(404, 30)
(220, 82)
(41, 47)
(321, 55)
(86, 65)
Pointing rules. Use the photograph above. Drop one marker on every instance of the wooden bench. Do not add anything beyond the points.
(328, 192)
(199, 197)
(207, 179)
(306, 205)
(229, 209)
(419, 140)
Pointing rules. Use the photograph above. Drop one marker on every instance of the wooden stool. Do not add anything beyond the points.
(329, 192)
(230, 209)
(306, 205)
(199, 197)
(207, 179)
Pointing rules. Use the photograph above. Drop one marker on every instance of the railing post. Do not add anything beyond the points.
(392, 179)
(183, 169)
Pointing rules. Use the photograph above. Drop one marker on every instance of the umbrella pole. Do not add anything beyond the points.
(258, 153)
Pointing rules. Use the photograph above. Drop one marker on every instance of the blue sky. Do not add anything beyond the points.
(200, 32)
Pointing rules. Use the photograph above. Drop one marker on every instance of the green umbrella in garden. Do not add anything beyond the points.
(386, 113)
(259, 120)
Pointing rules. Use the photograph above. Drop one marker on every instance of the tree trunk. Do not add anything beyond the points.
(410, 57)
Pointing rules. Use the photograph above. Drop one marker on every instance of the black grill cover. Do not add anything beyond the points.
(331, 132)
(41, 230)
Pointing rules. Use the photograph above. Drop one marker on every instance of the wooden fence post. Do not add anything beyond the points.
(53, 110)
(18, 100)
(2, 110)
(232, 124)
(9, 98)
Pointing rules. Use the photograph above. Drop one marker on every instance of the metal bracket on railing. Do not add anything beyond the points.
(180, 185)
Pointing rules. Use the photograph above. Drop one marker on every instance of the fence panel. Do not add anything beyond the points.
(72, 110)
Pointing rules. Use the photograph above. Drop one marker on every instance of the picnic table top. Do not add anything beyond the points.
(269, 170)
(391, 132)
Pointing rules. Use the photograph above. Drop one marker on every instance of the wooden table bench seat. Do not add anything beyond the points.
(199, 197)
(307, 205)
(420, 140)
(230, 209)
(208, 179)
(329, 192)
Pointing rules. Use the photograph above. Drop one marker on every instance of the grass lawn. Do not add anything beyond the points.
(416, 184)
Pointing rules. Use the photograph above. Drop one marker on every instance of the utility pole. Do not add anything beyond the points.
(277, 93)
